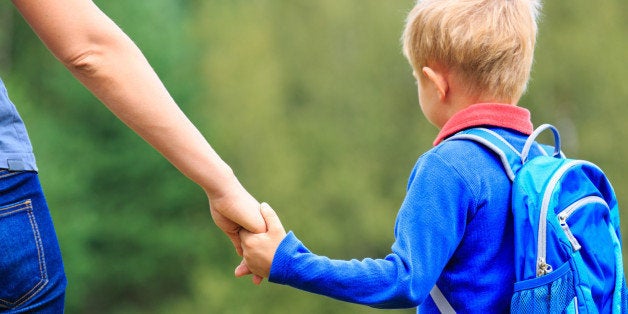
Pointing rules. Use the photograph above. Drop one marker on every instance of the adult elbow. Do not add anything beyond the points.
(84, 62)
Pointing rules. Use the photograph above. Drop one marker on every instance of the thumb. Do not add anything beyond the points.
(272, 220)
(242, 270)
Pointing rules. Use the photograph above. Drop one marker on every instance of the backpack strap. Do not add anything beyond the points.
(509, 156)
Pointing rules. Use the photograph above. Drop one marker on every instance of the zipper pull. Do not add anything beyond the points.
(562, 219)
(543, 268)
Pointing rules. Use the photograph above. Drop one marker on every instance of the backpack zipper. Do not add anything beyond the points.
(564, 215)
(542, 268)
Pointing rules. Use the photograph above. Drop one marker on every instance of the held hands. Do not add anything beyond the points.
(234, 211)
(259, 248)
(253, 228)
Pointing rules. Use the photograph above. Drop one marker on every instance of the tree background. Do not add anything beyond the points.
(313, 106)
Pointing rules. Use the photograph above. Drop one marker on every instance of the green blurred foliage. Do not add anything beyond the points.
(313, 106)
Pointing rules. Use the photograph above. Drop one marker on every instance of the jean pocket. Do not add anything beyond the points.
(22, 262)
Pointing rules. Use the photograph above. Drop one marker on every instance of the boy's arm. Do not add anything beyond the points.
(429, 227)
(111, 66)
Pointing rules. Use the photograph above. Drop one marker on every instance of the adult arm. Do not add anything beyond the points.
(104, 59)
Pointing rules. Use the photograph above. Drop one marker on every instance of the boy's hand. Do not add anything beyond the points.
(259, 248)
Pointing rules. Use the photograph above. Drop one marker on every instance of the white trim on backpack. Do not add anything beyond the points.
(541, 246)
(441, 302)
(502, 139)
(502, 156)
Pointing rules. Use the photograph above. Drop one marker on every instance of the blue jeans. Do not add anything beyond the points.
(32, 279)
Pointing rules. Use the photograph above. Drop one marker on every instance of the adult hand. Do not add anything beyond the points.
(231, 229)
(235, 210)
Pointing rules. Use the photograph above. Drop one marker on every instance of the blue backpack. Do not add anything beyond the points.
(566, 224)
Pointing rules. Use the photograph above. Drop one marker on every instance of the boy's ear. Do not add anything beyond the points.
(441, 84)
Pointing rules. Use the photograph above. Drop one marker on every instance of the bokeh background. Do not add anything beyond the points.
(313, 106)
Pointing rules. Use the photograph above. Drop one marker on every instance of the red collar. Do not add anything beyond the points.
(490, 114)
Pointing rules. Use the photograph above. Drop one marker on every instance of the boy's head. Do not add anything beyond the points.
(488, 43)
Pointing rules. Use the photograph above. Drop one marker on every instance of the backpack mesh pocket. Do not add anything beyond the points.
(552, 293)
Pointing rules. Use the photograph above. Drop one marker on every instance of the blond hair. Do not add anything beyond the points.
(490, 43)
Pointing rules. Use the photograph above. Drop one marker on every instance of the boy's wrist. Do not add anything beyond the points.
(281, 264)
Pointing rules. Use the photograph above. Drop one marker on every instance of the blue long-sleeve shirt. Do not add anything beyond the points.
(453, 233)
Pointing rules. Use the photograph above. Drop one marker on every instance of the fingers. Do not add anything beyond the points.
(242, 270)
(267, 214)
(257, 279)
(244, 234)
(272, 220)
(245, 213)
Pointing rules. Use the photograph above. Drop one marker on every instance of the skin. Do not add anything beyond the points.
(104, 59)
(260, 248)
(441, 95)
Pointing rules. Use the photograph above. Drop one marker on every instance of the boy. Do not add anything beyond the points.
(453, 247)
